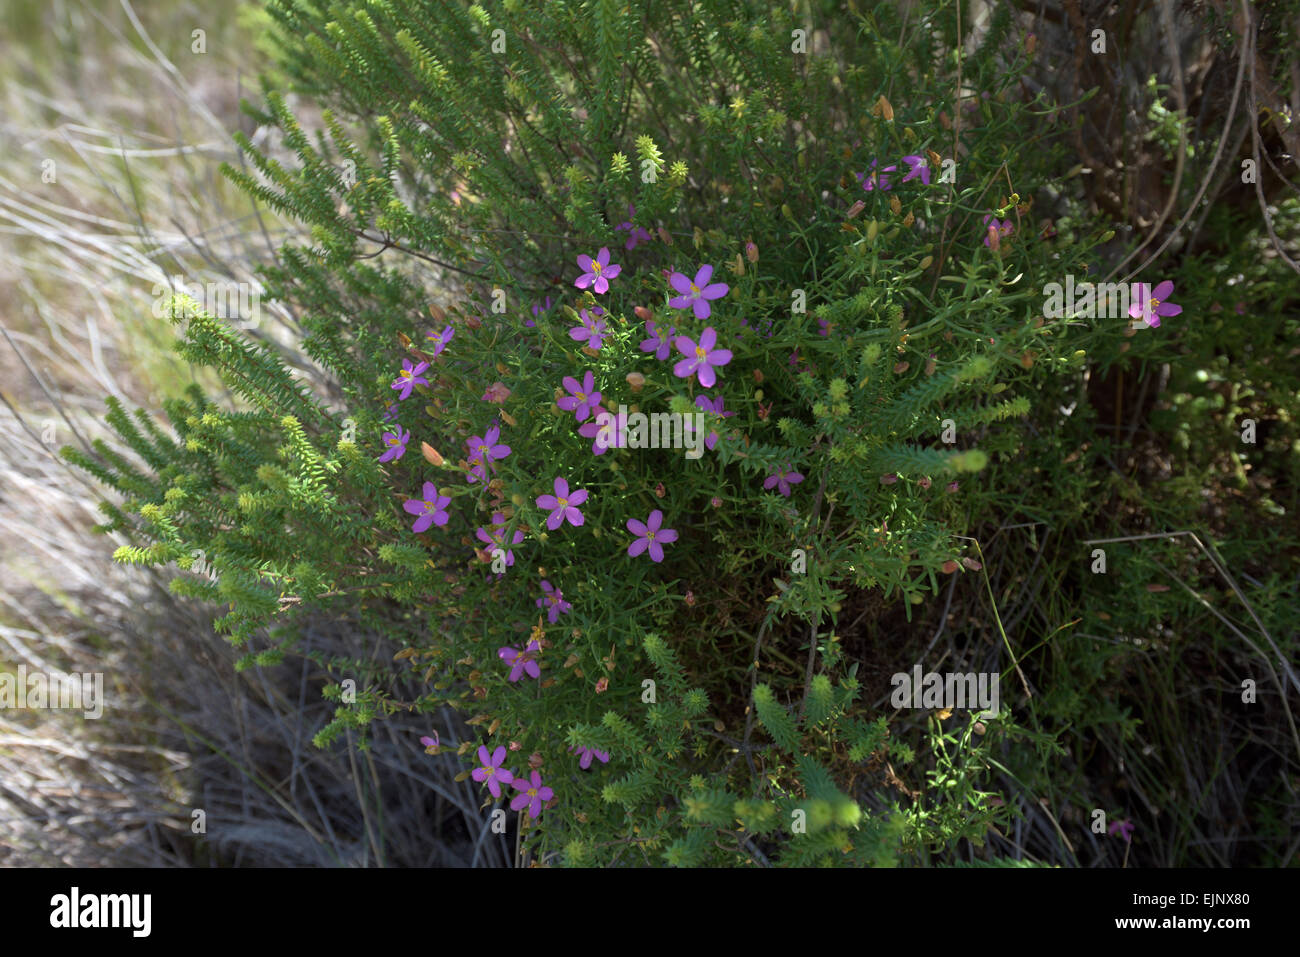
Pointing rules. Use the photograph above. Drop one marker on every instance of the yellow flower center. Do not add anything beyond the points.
(699, 352)
(562, 502)
(695, 290)
(650, 536)
(532, 792)
(428, 506)
(482, 448)
(595, 267)
(406, 373)
(394, 442)
(581, 396)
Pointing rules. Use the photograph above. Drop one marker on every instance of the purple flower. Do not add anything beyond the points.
(635, 234)
(591, 331)
(586, 754)
(1149, 304)
(597, 272)
(390, 414)
(1123, 828)
(701, 358)
(563, 505)
(409, 378)
(917, 167)
(714, 407)
(537, 311)
(532, 795)
(661, 345)
(430, 742)
(994, 231)
(782, 479)
(486, 448)
(608, 430)
(431, 508)
(871, 180)
(497, 537)
(492, 773)
(650, 536)
(396, 442)
(582, 396)
(554, 602)
(439, 342)
(521, 661)
(697, 292)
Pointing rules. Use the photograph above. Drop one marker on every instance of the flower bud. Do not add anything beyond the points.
(636, 380)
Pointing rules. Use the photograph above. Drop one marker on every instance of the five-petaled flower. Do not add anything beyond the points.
(532, 795)
(586, 754)
(439, 342)
(701, 358)
(492, 773)
(554, 602)
(1149, 304)
(608, 431)
(650, 536)
(597, 272)
(497, 537)
(582, 397)
(917, 166)
(782, 479)
(431, 508)
(521, 661)
(697, 292)
(592, 329)
(1123, 828)
(661, 344)
(635, 234)
(485, 449)
(713, 407)
(563, 505)
(396, 442)
(409, 378)
(872, 179)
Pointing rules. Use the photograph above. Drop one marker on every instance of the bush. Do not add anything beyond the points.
(800, 236)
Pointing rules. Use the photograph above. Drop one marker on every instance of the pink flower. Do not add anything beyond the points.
(636, 234)
(591, 331)
(700, 359)
(439, 342)
(532, 795)
(431, 508)
(492, 773)
(697, 292)
(1149, 304)
(586, 754)
(597, 272)
(782, 479)
(396, 442)
(409, 378)
(994, 231)
(608, 431)
(563, 505)
(521, 661)
(582, 397)
(871, 180)
(659, 343)
(651, 536)
(917, 167)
